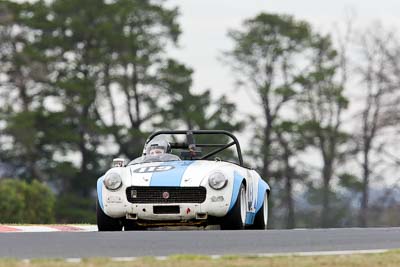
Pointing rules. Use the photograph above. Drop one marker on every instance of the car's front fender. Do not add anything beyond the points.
(100, 191)
(237, 181)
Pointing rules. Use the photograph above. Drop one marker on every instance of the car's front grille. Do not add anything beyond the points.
(156, 194)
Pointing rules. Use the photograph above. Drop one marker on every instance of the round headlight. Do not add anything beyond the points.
(217, 180)
(112, 181)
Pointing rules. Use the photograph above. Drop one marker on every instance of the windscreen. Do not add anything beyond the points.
(157, 158)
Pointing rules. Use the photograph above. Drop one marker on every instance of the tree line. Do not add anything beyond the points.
(82, 82)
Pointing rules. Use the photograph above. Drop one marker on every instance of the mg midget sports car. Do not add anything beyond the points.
(178, 181)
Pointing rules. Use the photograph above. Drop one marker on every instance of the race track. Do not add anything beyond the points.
(164, 243)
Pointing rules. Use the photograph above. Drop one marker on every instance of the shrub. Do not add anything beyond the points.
(22, 202)
(12, 201)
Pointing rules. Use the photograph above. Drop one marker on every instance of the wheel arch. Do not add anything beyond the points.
(263, 188)
(100, 192)
(238, 180)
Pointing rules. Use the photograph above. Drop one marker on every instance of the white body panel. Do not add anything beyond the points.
(115, 203)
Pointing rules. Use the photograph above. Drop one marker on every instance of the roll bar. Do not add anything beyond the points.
(191, 144)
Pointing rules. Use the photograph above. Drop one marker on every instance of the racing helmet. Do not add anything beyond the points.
(158, 146)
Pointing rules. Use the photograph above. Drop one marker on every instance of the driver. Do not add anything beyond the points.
(158, 147)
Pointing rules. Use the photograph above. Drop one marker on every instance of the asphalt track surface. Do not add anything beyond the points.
(213, 242)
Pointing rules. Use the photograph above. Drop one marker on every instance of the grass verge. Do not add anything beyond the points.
(388, 259)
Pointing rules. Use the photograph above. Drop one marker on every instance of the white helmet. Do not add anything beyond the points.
(157, 146)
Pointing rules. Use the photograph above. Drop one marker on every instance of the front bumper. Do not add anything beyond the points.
(216, 204)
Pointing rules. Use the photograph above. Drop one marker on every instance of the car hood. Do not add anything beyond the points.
(174, 173)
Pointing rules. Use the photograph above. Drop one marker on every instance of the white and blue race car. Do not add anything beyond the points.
(185, 183)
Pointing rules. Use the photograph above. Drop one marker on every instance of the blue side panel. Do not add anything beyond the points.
(262, 189)
(100, 191)
(237, 181)
(172, 177)
(250, 218)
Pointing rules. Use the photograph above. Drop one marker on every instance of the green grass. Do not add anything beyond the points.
(388, 259)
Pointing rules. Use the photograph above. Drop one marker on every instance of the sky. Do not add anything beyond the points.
(205, 24)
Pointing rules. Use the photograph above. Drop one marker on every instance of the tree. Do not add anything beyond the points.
(64, 63)
(135, 52)
(290, 144)
(373, 75)
(379, 103)
(23, 90)
(193, 110)
(263, 57)
(321, 106)
(99, 49)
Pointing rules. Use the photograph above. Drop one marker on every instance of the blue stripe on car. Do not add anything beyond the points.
(237, 181)
(262, 190)
(250, 218)
(171, 177)
(100, 191)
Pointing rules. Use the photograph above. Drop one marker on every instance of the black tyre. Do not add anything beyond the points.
(106, 223)
(261, 219)
(236, 218)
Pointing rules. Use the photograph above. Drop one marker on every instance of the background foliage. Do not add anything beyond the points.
(82, 82)
(22, 202)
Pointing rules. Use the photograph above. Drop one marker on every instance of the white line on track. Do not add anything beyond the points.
(325, 253)
(124, 258)
(46, 228)
(73, 260)
(260, 255)
(161, 258)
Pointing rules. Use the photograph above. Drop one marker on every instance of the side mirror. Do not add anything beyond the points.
(118, 162)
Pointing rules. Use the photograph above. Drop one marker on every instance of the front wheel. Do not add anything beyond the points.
(236, 218)
(106, 223)
(261, 219)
